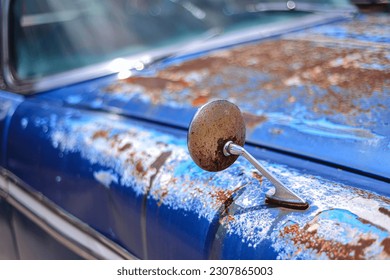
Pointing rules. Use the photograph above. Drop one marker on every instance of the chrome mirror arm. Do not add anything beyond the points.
(282, 195)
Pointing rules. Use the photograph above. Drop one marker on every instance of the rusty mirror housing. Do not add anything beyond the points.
(215, 140)
(212, 127)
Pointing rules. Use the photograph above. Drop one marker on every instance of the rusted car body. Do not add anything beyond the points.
(108, 158)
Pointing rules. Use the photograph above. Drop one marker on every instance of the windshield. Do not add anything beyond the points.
(52, 36)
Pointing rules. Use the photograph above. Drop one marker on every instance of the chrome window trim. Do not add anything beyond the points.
(104, 69)
(65, 228)
(4, 48)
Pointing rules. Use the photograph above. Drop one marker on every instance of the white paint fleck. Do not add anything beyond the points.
(105, 177)
(24, 122)
(360, 206)
(293, 81)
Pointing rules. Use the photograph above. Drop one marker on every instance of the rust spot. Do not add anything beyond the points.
(157, 83)
(384, 211)
(226, 219)
(252, 120)
(367, 222)
(291, 99)
(156, 165)
(223, 197)
(200, 100)
(333, 249)
(164, 192)
(154, 87)
(369, 195)
(200, 191)
(209, 65)
(140, 168)
(386, 245)
(125, 147)
(162, 158)
(117, 87)
(257, 176)
(290, 229)
(100, 134)
(276, 131)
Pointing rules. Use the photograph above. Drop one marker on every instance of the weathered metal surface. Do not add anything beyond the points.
(332, 234)
(212, 127)
(315, 65)
(342, 221)
(325, 86)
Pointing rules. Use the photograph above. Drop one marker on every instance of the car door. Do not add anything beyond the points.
(21, 237)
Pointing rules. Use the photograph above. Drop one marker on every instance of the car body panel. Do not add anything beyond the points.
(137, 185)
(112, 152)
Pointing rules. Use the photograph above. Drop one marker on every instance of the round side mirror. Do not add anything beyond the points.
(215, 124)
(216, 137)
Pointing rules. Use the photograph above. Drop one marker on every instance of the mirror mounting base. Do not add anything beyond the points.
(281, 195)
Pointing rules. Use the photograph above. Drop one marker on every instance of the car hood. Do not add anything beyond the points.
(320, 93)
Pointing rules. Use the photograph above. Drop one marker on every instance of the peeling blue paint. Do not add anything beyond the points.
(351, 238)
(180, 185)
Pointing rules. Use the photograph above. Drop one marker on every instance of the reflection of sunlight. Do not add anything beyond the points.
(124, 67)
(194, 10)
(124, 74)
(46, 18)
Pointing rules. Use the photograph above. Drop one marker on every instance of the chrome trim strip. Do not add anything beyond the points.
(5, 64)
(67, 229)
(3, 186)
(104, 69)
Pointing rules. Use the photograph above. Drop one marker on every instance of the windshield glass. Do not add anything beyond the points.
(52, 36)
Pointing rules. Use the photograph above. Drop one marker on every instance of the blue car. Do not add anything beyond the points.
(97, 99)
